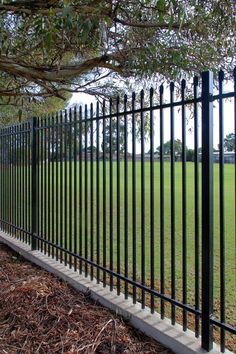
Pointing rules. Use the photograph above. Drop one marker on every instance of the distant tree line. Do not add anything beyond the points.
(177, 149)
(229, 146)
(66, 143)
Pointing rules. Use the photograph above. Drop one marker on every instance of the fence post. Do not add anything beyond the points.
(207, 210)
(33, 181)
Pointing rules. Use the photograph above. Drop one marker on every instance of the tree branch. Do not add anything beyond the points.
(53, 73)
(44, 7)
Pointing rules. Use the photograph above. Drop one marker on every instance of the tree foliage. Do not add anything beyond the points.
(111, 136)
(167, 148)
(229, 142)
(177, 149)
(24, 108)
(50, 47)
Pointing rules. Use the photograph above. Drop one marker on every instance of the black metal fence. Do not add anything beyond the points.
(93, 188)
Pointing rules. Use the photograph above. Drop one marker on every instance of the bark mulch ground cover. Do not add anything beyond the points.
(41, 314)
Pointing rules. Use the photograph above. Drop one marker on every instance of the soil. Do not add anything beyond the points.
(40, 314)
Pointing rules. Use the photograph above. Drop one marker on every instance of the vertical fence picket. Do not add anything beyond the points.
(2, 183)
(234, 140)
(118, 191)
(111, 189)
(196, 205)
(172, 176)
(61, 185)
(13, 179)
(162, 203)
(10, 180)
(23, 182)
(49, 184)
(134, 196)
(80, 190)
(10, 185)
(38, 181)
(207, 210)
(20, 181)
(1, 171)
(57, 186)
(86, 188)
(45, 185)
(70, 187)
(65, 185)
(52, 160)
(142, 180)
(152, 199)
(91, 193)
(29, 181)
(104, 238)
(222, 209)
(75, 190)
(126, 202)
(98, 191)
(34, 183)
(184, 205)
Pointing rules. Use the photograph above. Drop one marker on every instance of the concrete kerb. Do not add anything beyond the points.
(170, 336)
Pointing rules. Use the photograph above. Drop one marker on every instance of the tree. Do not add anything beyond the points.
(92, 149)
(167, 148)
(50, 47)
(190, 154)
(229, 142)
(110, 140)
(24, 108)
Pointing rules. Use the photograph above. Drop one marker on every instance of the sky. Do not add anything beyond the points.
(82, 98)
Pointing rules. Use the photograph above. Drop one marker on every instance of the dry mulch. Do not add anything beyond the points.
(41, 314)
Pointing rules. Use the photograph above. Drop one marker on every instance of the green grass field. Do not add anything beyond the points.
(229, 223)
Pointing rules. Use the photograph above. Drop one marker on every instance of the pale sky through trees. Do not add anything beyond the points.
(228, 121)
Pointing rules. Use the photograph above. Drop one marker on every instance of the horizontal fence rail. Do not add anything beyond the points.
(114, 191)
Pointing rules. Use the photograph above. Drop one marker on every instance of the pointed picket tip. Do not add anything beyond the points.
(172, 86)
(65, 114)
(161, 89)
(151, 92)
(196, 80)
(234, 72)
(221, 75)
(183, 84)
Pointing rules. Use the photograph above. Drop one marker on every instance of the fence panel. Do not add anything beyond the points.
(114, 191)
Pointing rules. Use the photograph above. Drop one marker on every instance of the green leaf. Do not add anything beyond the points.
(67, 11)
(48, 39)
(171, 21)
(161, 5)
